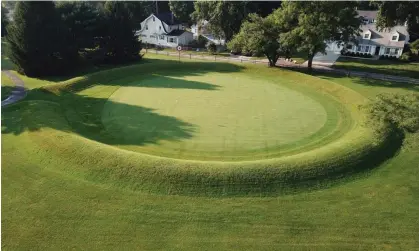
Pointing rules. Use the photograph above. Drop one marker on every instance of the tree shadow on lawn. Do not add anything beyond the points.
(386, 67)
(73, 112)
(131, 75)
(139, 126)
(366, 81)
(6, 91)
(168, 65)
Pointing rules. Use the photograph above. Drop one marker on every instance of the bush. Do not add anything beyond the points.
(211, 47)
(200, 42)
(406, 57)
(394, 111)
(357, 54)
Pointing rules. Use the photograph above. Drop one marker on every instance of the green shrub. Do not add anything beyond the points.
(211, 47)
(407, 56)
(394, 111)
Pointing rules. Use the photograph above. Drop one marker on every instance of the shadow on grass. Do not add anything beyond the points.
(387, 67)
(362, 81)
(82, 114)
(6, 91)
(362, 168)
(140, 125)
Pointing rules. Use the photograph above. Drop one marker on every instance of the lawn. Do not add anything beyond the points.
(63, 190)
(389, 67)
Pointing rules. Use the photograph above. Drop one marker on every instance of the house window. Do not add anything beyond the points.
(172, 40)
(367, 48)
(349, 46)
(366, 35)
(146, 26)
(159, 27)
(161, 37)
(152, 36)
(142, 35)
(387, 51)
(396, 51)
(394, 38)
(359, 48)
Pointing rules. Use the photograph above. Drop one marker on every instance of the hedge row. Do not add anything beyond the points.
(356, 54)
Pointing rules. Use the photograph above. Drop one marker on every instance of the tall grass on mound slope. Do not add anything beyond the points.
(48, 127)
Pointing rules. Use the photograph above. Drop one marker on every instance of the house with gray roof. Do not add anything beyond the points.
(371, 41)
(163, 30)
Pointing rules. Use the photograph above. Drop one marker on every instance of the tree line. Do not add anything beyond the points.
(52, 38)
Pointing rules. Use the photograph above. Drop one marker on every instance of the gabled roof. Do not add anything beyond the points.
(176, 33)
(383, 38)
(167, 18)
(369, 14)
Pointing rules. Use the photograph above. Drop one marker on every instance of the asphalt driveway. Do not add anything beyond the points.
(325, 60)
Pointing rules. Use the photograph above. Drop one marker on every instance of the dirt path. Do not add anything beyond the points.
(19, 91)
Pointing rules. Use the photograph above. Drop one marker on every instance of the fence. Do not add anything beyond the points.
(288, 65)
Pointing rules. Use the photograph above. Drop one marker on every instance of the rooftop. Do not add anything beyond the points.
(168, 18)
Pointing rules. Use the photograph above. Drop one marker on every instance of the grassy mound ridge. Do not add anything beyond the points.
(52, 127)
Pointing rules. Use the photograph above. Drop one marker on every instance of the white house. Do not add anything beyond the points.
(371, 41)
(164, 30)
(201, 28)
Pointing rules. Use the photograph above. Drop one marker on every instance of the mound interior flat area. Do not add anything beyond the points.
(212, 114)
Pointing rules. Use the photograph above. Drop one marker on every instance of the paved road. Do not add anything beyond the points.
(327, 59)
(19, 91)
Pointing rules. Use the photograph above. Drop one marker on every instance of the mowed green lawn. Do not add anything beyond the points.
(212, 115)
(388, 67)
(46, 205)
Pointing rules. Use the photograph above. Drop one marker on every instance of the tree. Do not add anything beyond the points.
(224, 17)
(182, 10)
(394, 13)
(414, 47)
(119, 42)
(394, 111)
(211, 47)
(35, 40)
(309, 26)
(4, 20)
(140, 10)
(80, 23)
(259, 36)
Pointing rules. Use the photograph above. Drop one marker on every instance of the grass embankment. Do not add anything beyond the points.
(47, 204)
(80, 102)
(388, 67)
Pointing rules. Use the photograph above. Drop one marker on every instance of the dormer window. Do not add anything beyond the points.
(395, 37)
(159, 27)
(154, 19)
(146, 26)
(367, 35)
